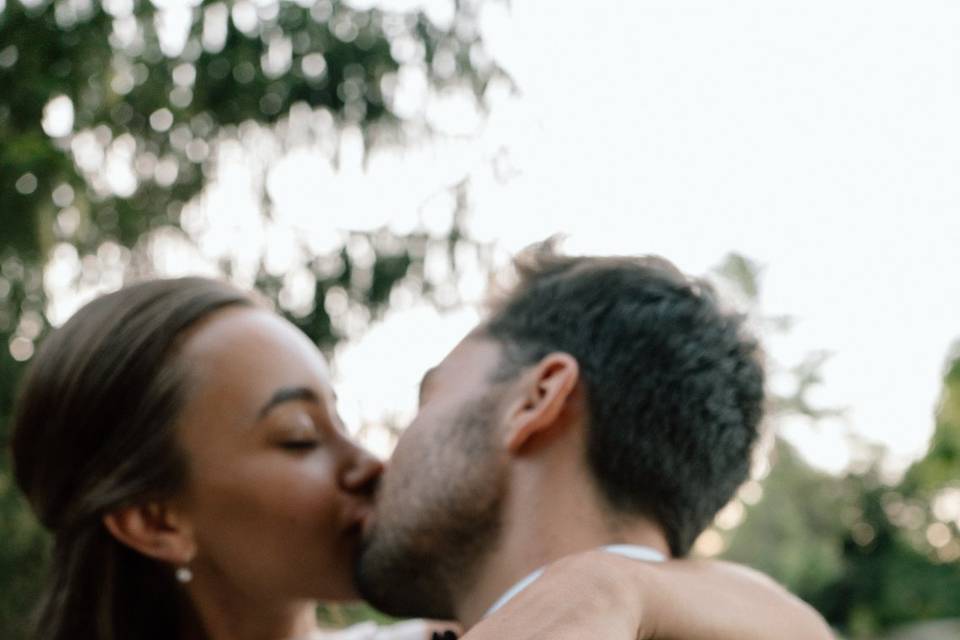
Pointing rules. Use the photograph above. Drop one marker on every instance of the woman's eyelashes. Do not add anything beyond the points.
(300, 445)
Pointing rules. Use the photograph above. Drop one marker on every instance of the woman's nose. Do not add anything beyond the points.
(363, 475)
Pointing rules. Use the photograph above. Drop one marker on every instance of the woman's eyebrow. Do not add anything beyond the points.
(289, 394)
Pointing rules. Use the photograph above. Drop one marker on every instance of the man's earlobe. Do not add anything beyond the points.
(547, 389)
(153, 529)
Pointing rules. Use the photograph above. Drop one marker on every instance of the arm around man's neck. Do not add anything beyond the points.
(600, 595)
(713, 600)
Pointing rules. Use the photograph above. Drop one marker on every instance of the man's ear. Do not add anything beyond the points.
(155, 529)
(545, 392)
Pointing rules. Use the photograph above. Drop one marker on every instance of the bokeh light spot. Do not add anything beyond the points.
(161, 120)
(26, 184)
(58, 117)
(21, 349)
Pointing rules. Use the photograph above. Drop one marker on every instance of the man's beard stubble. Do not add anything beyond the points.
(441, 527)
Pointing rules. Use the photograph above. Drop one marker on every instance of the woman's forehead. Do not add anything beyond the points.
(250, 351)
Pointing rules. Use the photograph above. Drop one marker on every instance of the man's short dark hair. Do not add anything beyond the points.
(674, 384)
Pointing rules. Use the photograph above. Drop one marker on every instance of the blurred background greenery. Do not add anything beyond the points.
(116, 116)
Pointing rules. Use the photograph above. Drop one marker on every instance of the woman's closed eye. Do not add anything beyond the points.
(300, 444)
(301, 436)
(295, 430)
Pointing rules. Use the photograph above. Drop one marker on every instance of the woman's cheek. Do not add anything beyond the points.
(309, 497)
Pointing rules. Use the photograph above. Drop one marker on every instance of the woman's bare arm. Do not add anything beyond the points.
(600, 595)
(698, 599)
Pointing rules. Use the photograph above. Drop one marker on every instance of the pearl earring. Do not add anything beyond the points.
(184, 575)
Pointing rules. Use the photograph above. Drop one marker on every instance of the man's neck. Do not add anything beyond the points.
(538, 531)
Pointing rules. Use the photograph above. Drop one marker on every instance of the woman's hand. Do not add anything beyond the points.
(601, 595)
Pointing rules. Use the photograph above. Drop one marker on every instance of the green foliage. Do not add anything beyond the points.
(128, 83)
(23, 546)
(941, 467)
(149, 91)
(860, 550)
(869, 556)
(344, 615)
(796, 541)
(23, 556)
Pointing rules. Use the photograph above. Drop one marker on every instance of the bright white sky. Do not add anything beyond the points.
(821, 139)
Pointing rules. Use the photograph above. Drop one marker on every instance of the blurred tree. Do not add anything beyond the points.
(846, 545)
(901, 555)
(793, 540)
(868, 553)
(112, 115)
(940, 469)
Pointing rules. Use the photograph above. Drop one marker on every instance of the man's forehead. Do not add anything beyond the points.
(476, 349)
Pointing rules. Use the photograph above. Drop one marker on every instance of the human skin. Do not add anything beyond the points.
(270, 518)
(269, 522)
(675, 600)
(277, 491)
(519, 456)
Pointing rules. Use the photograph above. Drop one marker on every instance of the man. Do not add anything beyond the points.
(604, 403)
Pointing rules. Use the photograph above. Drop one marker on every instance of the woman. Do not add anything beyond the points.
(181, 443)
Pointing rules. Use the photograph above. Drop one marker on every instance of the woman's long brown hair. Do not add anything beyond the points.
(94, 430)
